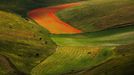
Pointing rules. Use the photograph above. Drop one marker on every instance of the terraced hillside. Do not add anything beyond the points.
(67, 60)
(95, 15)
(121, 64)
(23, 44)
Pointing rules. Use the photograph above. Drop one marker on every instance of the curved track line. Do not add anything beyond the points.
(46, 17)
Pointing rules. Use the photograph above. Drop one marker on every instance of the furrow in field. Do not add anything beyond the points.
(71, 59)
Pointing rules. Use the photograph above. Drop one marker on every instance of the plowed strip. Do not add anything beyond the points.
(46, 17)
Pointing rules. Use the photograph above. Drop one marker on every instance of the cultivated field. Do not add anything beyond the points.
(46, 18)
(68, 60)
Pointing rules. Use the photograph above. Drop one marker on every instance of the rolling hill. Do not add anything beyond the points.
(115, 44)
(108, 37)
(95, 15)
(73, 59)
(121, 65)
(23, 43)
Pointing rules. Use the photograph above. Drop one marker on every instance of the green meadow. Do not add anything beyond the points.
(96, 15)
(109, 37)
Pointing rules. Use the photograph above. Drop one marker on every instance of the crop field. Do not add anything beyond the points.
(73, 59)
(47, 19)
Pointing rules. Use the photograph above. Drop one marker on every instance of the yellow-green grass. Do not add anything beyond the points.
(109, 37)
(121, 39)
(23, 42)
(95, 15)
(121, 65)
(71, 59)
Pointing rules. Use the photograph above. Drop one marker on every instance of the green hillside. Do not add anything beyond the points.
(123, 63)
(90, 53)
(107, 24)
(95, 15)
(120, 65)
(109, 37)
(115, 46)
(23, 44)
(70, 59)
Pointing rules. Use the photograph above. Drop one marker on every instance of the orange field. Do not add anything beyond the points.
(46, 17)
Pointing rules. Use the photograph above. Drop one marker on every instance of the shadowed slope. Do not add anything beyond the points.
(22, 7)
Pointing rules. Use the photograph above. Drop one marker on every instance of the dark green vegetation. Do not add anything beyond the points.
(95, 15)
(22, 7)
(23, 44)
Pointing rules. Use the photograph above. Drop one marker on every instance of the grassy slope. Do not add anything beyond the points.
(74, 54)
(24, 43)
(23, 6)
(73, 59)
(109, 37)
(95, 15)
(113, 35)
(23, 47)
(121, 65)
(117, 40)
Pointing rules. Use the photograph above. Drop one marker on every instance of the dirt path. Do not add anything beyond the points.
(46, 17)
